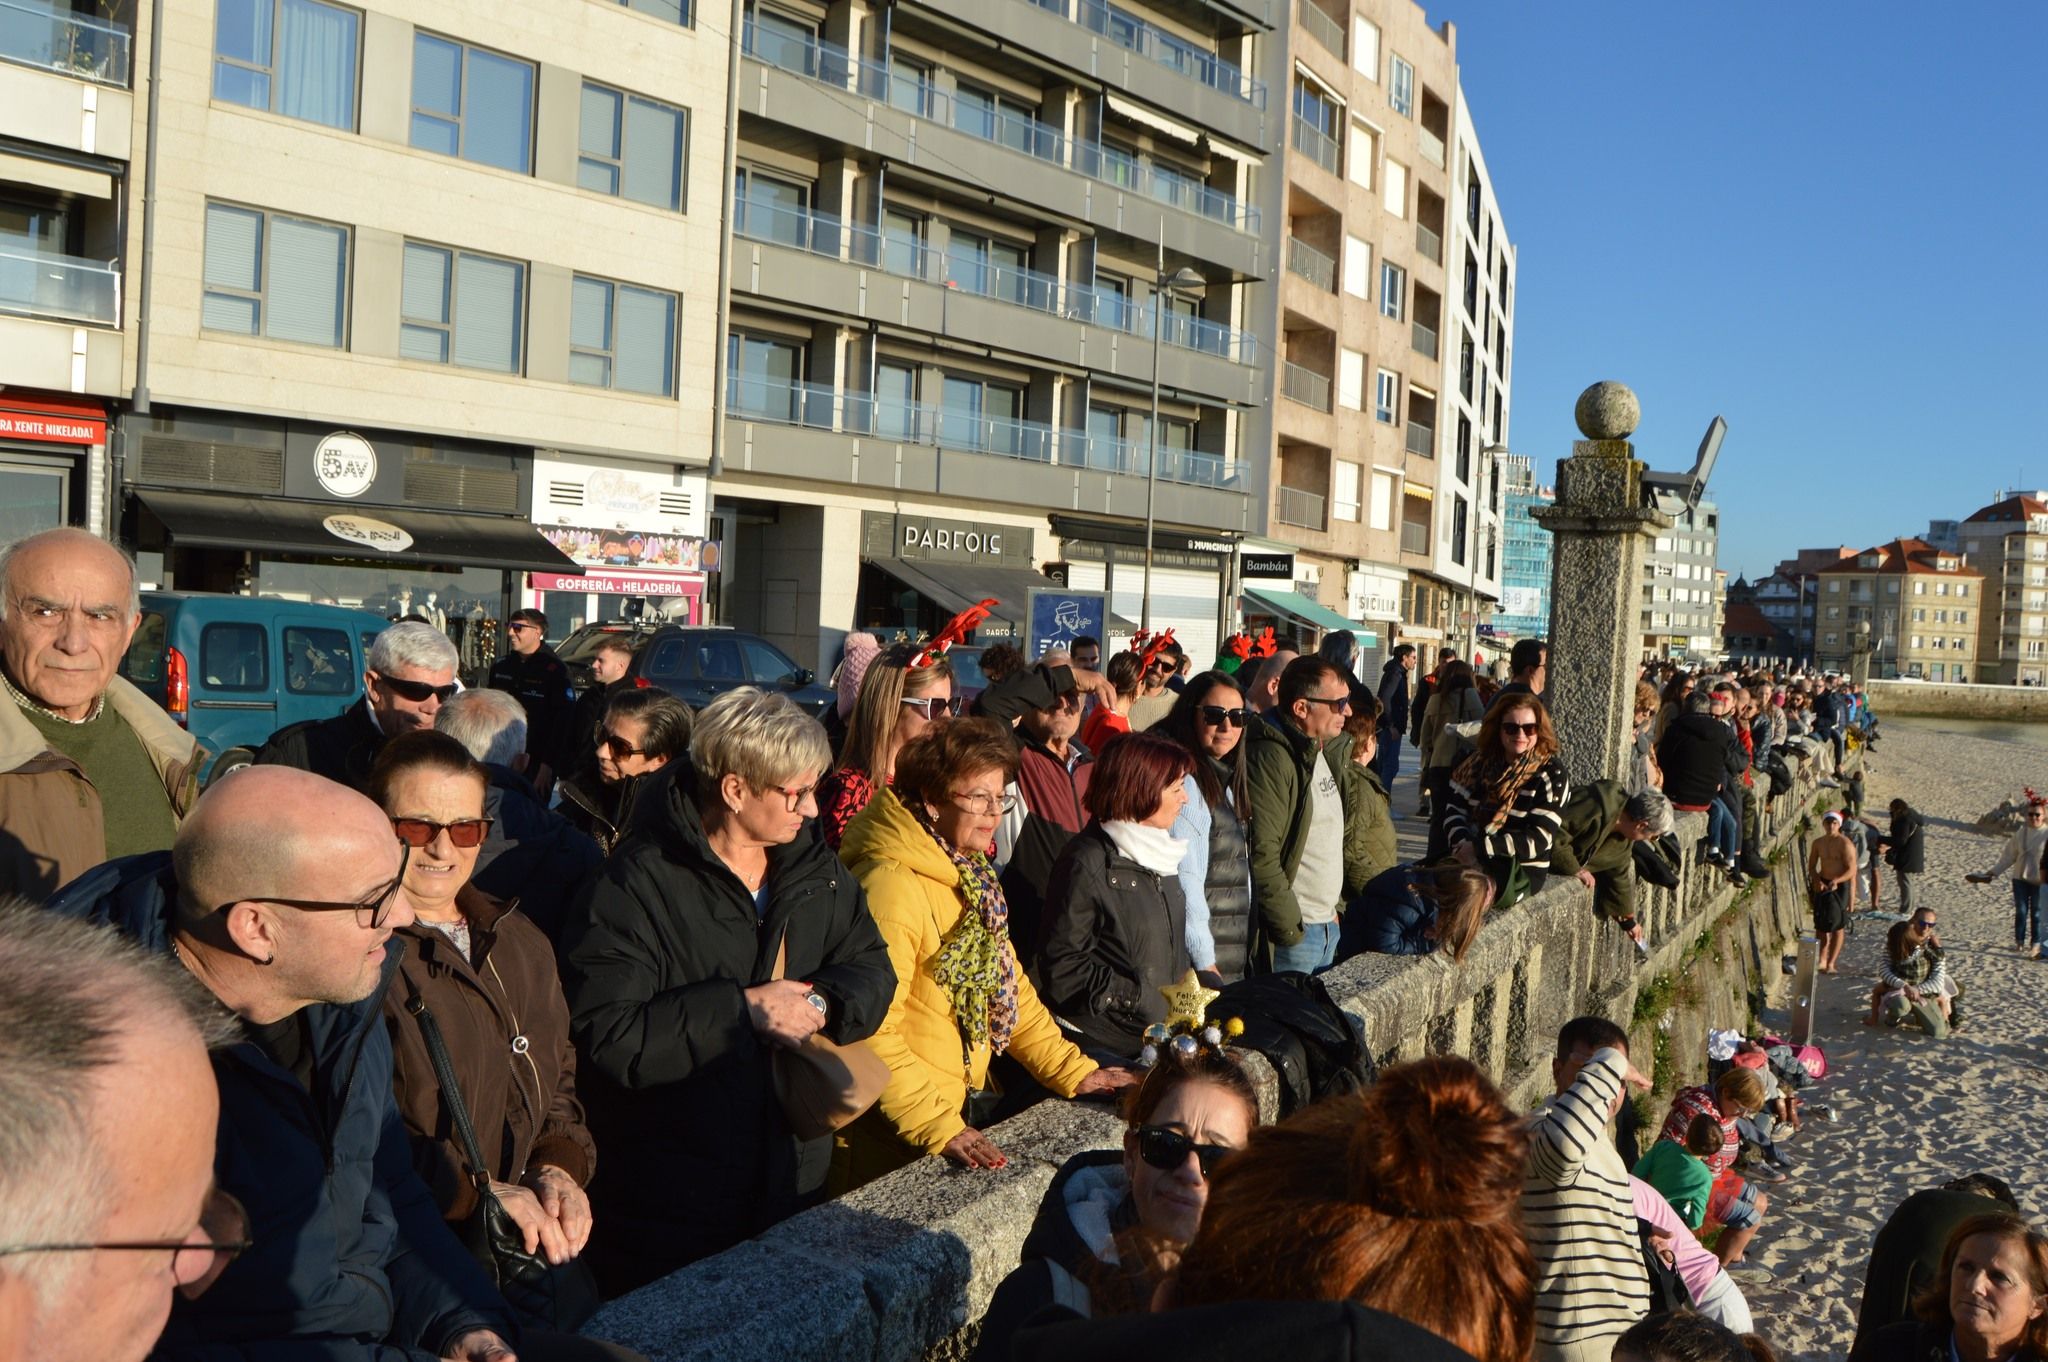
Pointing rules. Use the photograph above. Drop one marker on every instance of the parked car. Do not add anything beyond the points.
(235, 669)
(696, 662)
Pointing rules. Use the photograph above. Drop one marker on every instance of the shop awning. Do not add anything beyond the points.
(1308, 611)
(955, 586)
(332, 529)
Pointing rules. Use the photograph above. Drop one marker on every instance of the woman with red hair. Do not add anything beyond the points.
(1117, 925)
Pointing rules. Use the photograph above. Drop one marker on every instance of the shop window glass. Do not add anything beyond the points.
(293, 57)
(35, 495)
(235, 657)
(770, 668)
(468, 604)
(318, 662)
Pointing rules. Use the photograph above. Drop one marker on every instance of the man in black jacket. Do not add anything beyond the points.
(1393, 696)
(1905, 851)
(609, 663)
(536, 677)
(408, 676)
(1701, 757)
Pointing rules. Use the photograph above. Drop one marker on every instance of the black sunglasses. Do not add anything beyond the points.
(419, 833)
(417, 691)
(1167, 1149)
(1519, 728)
(1216, 716)
(618, 746)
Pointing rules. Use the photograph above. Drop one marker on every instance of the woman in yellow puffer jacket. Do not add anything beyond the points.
(919, 850)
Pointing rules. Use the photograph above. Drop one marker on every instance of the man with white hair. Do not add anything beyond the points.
(107, 1113)
(90, 767)
(409, 675)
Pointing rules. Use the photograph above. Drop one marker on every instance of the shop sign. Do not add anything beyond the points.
(345, 464)
(595, 547)
(616, 584)
(52, 429)
(1269, 565)
(380, 535)
(1059, 617)
(916, 538)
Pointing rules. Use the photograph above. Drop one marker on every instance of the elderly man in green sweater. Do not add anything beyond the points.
(1596, 842)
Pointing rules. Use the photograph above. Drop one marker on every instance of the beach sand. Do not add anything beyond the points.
(1909, 1112)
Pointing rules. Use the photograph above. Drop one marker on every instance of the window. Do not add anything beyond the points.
(895, 401)
(1365, 48)
(980, 113)
(1459, 529)
(764, 376)
(911, 87)
(1394, 188)
(1464, 449)
(461, 308)
(1892, 589)
(472, 104)
(1351, 379)
(1956, 644)
(632, 147)
(1382, 501)
(993, 268)
(1357, 267)
(1919, 616)
(293, 57)
(1940, 588)
(1361, 153)
(982, 416)
(1386, 396)
(1919, 588)
(622, 337)
(1916, 641)
(770, 209)
(1393, 290)
(1471, 286)
(234, 657)
(1962, 617)
(318, 662)
(1940, 616)
(1962, 588)
(769, 667)
(1344, 506)
(276, 276)
(675, 11)
(1401, 87)
(1828, 639)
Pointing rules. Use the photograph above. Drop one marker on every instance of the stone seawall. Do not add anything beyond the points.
(900, 1269)
(1938, 700)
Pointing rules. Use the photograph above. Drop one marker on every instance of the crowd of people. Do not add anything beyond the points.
(459, 1012)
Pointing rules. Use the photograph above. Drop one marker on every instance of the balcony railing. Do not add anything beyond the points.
(1432, 145)
(56, 39)
(1425, 340)
(831, 65)
(1421, 440)
(1429, 243)
(1155, 44)
(1318, 24)
(1312, 142)
(1414, 536)
(1311, 264)
(1307, 387)
(1300, 507)
(39, 283)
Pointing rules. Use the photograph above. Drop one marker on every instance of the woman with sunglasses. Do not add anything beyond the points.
(642, 731)
(1116, 925)
(903, 695)
(961, 997)
(1108, 1214)
(1504, 804)
(487, 977)
(719, 932)
(1208, 721)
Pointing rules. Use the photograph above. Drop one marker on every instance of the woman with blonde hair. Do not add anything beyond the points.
(903, 694)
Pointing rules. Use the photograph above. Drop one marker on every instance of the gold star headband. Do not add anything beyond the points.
(1187, 1027)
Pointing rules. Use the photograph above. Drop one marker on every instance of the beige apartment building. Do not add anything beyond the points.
(1922, 605)
(2008, 541)
(393, 281)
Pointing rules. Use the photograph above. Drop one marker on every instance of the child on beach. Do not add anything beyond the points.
(1680, 1172)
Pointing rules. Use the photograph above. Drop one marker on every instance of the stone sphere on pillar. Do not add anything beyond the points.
(1608, 411)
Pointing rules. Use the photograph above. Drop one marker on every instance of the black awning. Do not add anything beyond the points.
(335, 530)
(955, 586)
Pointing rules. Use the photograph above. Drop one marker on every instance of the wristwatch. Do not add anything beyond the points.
(818, 1000)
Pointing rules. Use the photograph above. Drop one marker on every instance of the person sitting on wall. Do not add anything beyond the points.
(1596, 843)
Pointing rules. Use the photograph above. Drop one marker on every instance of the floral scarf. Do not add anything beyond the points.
(976, 965)
(1493, 785)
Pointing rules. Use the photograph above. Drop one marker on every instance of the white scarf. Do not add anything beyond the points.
(1158, 850)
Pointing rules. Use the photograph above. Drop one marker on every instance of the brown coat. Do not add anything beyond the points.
(521, 1101)
(51, 826)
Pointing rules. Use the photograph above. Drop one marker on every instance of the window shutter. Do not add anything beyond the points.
(600, 131)
(654, 154)
(308, 280)
(645, 349)
(489, 306)
(234, 247)
(590, 314)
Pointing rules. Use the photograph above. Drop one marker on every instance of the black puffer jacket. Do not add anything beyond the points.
(1117, 933)
(342, 748)
(1091, 1190)
(676, 1081)
(1228, 889)
(1699, 754)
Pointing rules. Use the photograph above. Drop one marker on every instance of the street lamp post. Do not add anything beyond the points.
(1163, 285)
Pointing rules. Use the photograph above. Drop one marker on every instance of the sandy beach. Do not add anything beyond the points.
(1909, 1112)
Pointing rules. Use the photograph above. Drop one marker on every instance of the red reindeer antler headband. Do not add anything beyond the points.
(956, 631)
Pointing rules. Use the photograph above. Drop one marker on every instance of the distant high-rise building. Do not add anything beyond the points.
(1525, 554)
(2008, 542)
(1679, 598)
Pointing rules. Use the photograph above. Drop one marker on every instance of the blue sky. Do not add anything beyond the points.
(1824, 221)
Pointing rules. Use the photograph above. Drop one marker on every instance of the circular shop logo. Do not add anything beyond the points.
(380, 535)
(345, 464)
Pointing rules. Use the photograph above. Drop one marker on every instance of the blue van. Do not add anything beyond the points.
(235, 669)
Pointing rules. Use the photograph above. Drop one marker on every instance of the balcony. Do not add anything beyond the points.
(1155, 44)
(1421, 440)
(1414, 536)
(52, 287)
(1425, 340)
(53, 39)
(1429, 244)
(1298, 506)
(1432, 146)
(1312, 142)
(1311, 264)
(1318, 24)
(1307, 387)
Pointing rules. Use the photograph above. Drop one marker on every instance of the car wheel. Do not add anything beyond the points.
(227, 763)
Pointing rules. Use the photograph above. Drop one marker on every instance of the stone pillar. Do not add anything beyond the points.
(1602, 529)
(1859, 653)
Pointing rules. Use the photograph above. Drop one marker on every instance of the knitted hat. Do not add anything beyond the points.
(861, 649)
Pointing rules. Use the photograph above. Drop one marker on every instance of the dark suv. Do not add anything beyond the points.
(697, 663)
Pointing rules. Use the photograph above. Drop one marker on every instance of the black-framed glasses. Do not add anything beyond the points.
(932, 706)
(977, 801)
(417, 691)
(1529, 728)
(1216, 716)
(1342, 702)
(1167, 1150)
(517, 625)
(794, 797)
(197, 1260)
(463, 833)
(618, 746)
(378, 908)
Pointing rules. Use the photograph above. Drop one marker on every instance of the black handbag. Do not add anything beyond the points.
(1667, 1289)
(542, 1295)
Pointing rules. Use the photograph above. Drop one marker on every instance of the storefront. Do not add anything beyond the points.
(917, 572)
(53, 452)
(1192, 579)
(632, 529)
(400, 525)
(1285, 590)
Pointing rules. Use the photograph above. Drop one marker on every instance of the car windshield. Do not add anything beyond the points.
(581, 646)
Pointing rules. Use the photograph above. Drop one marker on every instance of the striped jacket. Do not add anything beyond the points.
(1579, 1212)
(1530, 829)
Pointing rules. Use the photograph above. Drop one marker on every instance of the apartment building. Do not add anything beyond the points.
(1923, 606)
(1525, 554)
(972, 242)
(2008, 542)
(1375, 175)
(1680, 600)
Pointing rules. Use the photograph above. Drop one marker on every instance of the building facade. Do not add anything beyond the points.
(2008, 542)
(1525, 554)
(1680, 602)
(1921, 604)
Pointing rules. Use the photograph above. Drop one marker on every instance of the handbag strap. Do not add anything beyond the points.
(444, 1073)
